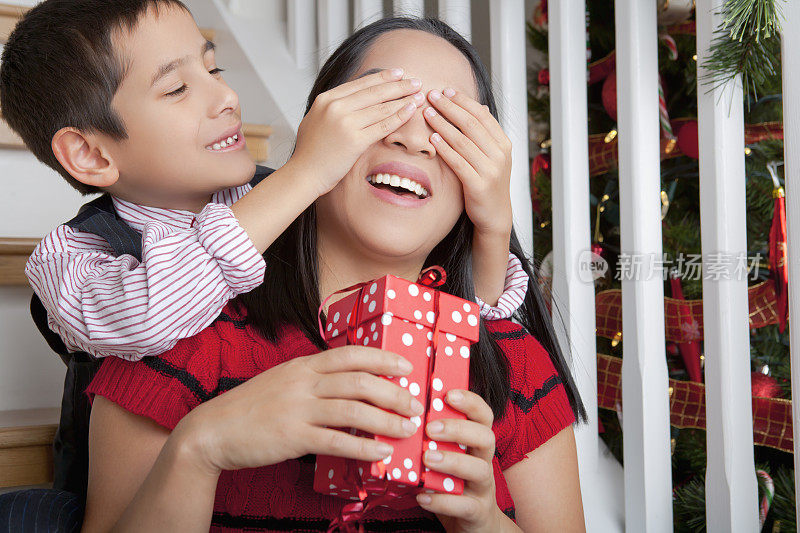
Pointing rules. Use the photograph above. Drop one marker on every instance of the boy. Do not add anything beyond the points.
(124, 97)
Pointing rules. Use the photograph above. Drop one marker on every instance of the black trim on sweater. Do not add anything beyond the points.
(271, 523)
(526, 404)
(503, 335)
(238, 324)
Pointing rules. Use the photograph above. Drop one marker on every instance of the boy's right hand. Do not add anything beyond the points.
(287, 411)
(344, 121)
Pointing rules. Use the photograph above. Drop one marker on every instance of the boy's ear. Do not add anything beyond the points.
(85, 157)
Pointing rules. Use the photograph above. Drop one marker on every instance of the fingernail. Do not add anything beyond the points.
(403, 365)
(435, 95)
(449, 92)
(416, 406)
(415, 82)
(435, 427)
(384, 450)
(432, 456)
(431, 112)
(409, 108)
(396, 72)
(436, 138)
(424, 499)
(419, 97)
(455, 396)
(409, 427)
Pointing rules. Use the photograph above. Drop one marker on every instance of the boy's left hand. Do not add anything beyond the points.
(472, 143)
(476, 509)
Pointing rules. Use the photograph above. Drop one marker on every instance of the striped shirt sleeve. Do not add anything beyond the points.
(107, 305)
(516, 286)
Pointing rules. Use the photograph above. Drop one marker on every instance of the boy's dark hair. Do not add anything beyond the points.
(59, 69)
(290, 294)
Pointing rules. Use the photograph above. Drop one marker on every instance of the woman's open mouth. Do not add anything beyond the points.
(400, 186)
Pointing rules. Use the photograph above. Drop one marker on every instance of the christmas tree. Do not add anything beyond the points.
(748, 46)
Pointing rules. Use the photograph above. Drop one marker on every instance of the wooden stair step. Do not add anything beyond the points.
(14, 254)
(26, 446)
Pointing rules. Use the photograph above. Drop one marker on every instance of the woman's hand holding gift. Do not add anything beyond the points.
(344, 121)
(288, 411)
(476, 509)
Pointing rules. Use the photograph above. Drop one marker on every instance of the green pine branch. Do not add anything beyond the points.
(746, 45)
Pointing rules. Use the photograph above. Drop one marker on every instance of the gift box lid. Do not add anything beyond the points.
(406, 300)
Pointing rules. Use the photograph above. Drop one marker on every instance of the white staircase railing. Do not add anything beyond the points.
(791, 148)
(731, 488)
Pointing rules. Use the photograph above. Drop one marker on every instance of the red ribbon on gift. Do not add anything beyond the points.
(352, 514)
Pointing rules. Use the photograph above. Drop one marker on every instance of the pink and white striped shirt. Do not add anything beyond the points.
(192, 265)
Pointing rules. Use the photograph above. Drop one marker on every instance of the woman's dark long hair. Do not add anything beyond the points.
(290, 292)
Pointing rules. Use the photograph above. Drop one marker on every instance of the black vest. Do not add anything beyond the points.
(71, 446)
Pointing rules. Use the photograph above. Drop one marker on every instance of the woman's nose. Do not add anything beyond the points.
(414, 136)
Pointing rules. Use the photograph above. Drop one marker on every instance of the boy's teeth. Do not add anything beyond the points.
(402, 183)
(225, 142)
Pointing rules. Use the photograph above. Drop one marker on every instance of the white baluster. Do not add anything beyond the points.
(572, 292)
(507, 27)
(300, 31)
(366, 11)
(791, 150)
(409, 8)
(731, 487)
(332, 26)
(645, 401)
(458, 14)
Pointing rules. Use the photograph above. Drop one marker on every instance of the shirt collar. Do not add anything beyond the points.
(136, 215)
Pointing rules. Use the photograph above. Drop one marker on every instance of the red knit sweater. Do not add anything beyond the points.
(280, 497)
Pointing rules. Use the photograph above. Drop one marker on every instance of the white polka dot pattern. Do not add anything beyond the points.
(449, 484)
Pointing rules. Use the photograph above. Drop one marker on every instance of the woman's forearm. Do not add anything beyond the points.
(178, 493)
(489, 263)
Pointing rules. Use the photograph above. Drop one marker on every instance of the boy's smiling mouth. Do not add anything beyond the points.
(229, 141)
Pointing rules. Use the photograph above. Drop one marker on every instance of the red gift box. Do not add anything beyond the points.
(434, 331)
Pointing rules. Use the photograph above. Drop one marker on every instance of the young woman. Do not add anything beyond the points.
(170, 451)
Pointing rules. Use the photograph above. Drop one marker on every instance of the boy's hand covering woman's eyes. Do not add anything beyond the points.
(344, 121)
(287, 411)
(476, 509)
(472, 143)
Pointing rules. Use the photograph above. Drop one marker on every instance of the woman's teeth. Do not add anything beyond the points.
(398, 182)
(224, 143)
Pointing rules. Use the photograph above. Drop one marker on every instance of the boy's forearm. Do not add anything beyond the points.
(267, 210)
(489, 264)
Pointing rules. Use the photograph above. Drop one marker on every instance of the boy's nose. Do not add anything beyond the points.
(414, 136)
(225, 99)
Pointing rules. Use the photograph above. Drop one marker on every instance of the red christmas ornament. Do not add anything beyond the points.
(687, 139)
(540, 14)
(765, 386)
(690, 351)
(609, 95)
(778, 259)
(540, 163)
(597, 249)
(544, 77)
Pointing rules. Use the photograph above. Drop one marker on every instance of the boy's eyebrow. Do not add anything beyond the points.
(166, 68)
